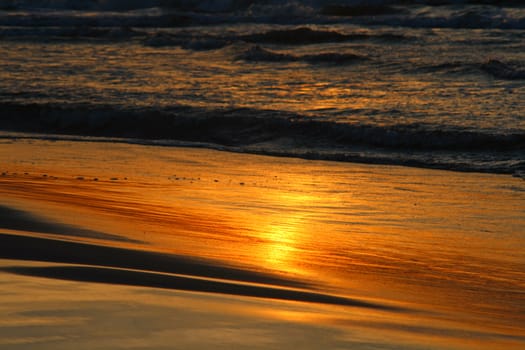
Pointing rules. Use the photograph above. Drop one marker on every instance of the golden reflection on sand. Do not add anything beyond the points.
(281, 232)
(436, 241)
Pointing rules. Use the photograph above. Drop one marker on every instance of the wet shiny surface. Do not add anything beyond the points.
(447, 246)
(438, 97)
(431, 76)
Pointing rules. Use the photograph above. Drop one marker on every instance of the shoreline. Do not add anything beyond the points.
(352, 157)
(433, 252)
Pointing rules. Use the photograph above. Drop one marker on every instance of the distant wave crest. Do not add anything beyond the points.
(173, 13)
(362, 9)
(305, 35)
(258, 54)
(190, 39)
(198, 43)
(503, 70)
(495, 68)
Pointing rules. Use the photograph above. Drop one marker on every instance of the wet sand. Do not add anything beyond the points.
(253, 252)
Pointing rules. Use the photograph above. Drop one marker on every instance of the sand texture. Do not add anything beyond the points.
(112, 246)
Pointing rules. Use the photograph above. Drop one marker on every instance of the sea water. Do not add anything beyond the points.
(418, 83)
(389, 257)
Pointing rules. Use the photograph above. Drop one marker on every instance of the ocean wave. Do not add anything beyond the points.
(295, 36)
(449, 67)
(361, 9)
(176, 13)
(305, 35)
(189, 42)
(68, 33)
(467, 17)
(240, 126)
(493, 67)
(85, 19)
(280, 133)
(79, 5)
(209, 6)
(258, 54)
(189, 39)
(337, 8)
(503, 70)
(496, 162)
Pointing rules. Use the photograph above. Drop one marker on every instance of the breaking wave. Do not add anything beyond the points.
(68, 33)
(240, 126)
(467, 17)
(361, 9)
(196, 40)
(259, 54)
(189, 42)
(279, 133)
(503, 70)
(305, 35)
(495, 68)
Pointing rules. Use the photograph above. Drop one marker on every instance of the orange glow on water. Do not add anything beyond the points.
(408, 236)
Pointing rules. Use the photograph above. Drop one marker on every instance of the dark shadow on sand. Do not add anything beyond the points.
(150, 269)
(50, 250)
(19, 220)
(155, 280)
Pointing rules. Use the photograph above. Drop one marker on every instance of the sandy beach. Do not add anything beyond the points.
(262, 174)
(194, 248)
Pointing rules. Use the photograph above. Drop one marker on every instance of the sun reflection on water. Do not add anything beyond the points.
(282, 235)
(349, 229)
